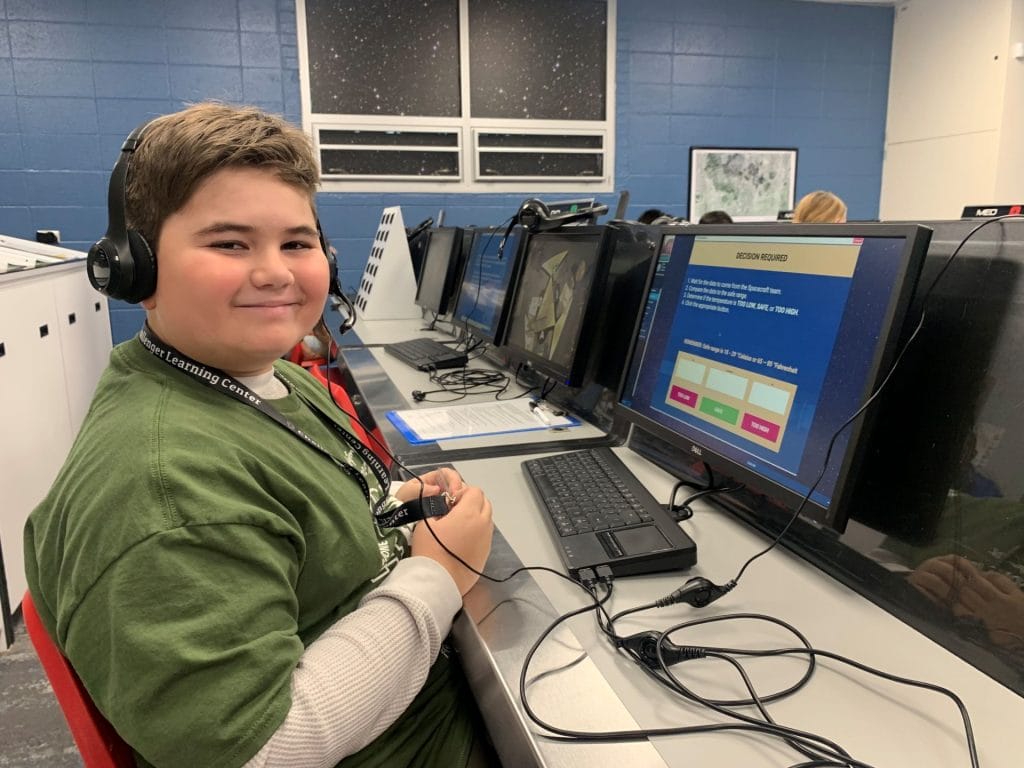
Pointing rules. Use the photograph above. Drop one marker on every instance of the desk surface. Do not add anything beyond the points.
(581, 683)
(387, 384)
(880, 723)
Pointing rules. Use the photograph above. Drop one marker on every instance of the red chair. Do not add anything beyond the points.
(365, 429)
(96, 739)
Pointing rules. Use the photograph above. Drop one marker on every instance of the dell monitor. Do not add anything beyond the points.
(481, 308)
(758, 342)
(440, 269)
(552, 309)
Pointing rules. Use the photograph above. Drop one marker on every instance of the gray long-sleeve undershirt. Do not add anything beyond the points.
(345, 692)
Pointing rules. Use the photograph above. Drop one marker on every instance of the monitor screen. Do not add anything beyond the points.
(758, 342)
(440, 262)
(552, 300)
(949, 423)
(481, 307)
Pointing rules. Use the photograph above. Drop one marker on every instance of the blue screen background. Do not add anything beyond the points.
(834, 344)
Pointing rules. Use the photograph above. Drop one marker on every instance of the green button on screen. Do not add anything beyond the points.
(720, 411)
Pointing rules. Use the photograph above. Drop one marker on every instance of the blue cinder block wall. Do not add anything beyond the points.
(77, 75)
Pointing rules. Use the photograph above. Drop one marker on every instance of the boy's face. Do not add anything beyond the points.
(241, 276)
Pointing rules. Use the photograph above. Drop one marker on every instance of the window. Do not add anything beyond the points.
(457, 96)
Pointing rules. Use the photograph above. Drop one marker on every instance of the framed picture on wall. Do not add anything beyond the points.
(750, 184)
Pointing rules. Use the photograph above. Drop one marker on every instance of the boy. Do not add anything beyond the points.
(207, 558)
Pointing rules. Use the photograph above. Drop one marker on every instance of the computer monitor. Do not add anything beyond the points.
(552, 309)
(949, 436)
(758, 341)
(440, 269)
(417, 237)
(481, 308)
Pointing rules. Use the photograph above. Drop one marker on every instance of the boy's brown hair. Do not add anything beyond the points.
(179, 151)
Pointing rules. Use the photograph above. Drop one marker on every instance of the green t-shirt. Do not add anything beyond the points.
(191, 548)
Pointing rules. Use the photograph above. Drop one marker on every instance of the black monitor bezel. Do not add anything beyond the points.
(725, 469)
(512, 250)
(571, 375)
(453, 268)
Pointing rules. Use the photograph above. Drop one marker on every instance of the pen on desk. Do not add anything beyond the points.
(540, 414)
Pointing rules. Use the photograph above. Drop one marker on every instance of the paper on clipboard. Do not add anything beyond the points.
(425, 425)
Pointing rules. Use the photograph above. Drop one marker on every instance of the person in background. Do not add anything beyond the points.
(820, 207)
(218, 557)
(715, 217)
(657, 217)
(651, 215)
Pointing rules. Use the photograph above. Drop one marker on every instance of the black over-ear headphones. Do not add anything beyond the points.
(334, 291)
(122, 265)
(535, 215)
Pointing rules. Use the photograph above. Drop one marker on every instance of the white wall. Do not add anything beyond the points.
(1009, 184)
(947, 89)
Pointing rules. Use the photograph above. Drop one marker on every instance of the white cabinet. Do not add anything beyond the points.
(54, 343)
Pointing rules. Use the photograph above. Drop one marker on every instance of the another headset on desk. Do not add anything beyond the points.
(535, 216)
(123, 265)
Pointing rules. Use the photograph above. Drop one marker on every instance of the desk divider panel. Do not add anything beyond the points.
(387, 290)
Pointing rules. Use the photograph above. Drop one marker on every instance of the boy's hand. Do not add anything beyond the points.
(438, 481)
(466, 530)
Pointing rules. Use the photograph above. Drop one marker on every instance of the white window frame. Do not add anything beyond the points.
(373, 124)
(467, 129)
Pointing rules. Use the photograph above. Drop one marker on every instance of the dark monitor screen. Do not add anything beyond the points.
(949, 432)
(440, 265)
(552, 300)
(482, 308)
(758, 342)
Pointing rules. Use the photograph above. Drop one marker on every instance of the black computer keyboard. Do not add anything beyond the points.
(427, 354)
(602, 515)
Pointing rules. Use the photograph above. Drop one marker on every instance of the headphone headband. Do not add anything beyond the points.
(116, 202)
(535, 215)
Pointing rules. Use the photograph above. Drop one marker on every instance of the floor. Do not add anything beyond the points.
(33, 733)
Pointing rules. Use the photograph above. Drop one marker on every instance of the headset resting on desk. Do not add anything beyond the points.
(122, 264)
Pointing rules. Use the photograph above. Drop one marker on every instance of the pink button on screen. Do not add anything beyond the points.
(684, 396)
(763, 429)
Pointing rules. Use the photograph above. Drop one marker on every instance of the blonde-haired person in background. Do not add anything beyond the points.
(820, 207)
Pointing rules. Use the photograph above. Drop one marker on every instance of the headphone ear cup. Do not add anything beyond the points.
(334, 286)
(127, 275)
(103, 267)
(143, 278)
(532, 214)
(332, 268)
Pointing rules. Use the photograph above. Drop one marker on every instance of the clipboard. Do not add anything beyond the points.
(428, 425)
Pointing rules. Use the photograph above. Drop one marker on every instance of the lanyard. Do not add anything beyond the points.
(383, 508)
